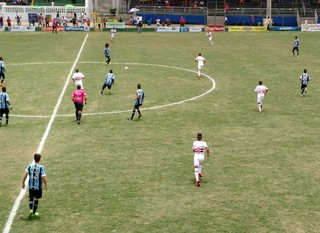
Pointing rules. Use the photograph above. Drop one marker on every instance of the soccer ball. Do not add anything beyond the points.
(126, 67)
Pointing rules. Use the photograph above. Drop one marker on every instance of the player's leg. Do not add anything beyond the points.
(1, 115)
(7, 116)
(3, 77)
(293, 51)
(109, 88)
(298, 51)
(76, 107)
(136, 106)
(79, 113)
(103, 87)
(108, 60)
(199, 72)
(196, 172)
(200, 168)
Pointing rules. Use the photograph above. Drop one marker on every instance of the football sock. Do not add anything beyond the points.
(35, 206)
(77, 115)
(139, 112)
(199, 73)
(0, 120)
(199, 168)
(7, 120)
(132, 115)
(196, 173)
(30, 203)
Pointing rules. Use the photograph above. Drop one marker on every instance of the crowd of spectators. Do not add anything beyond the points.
(169, 3)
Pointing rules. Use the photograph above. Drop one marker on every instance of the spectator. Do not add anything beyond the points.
(88, 22)
(1, 21)
(18, 18)
(40, 20)
(139, 25)
(181, 21)
(105, 21)
(226, 7)
(64, 21)
(47, 21)
(120, 20)
(9, 21)
(158, 21)
(54, 26)
(99, 22)
(168, 22)
(252, 20)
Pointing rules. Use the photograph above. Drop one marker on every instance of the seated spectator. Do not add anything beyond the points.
(241, 2)
(226, 6)
(181, 21)
(168, 22)
(201, 3)
(120, 20)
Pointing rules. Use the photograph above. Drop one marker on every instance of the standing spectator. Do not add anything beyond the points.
(5, 105)
(99, 22)
(252, 21)
(88, 22)
(108, 82)
(226, 7)
(181, 21)
(261, 92)
(64, 21)
(104, 21)
(199, 147)
(120, 19)
(1, 20)
(201, 61)
(107, 53)
(37, 175)
(296, 44)
(18, 18)
(58, 15)
(9, 21)
(304, 79)
(47, 21)
(79, 97)
(2, 70)
(168, 22)
(77, 78)
(209, 35)
(158, 21)
(40, 24)
(113, 32)
(139, 25)
(54, 26)
(138, 102)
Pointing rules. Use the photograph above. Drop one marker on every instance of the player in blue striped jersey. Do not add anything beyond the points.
(296, 44)
(2, 70)
(107, 53)
(138, 102)
(304, 80)
(37, 175)
(5, 105)
(108, 82)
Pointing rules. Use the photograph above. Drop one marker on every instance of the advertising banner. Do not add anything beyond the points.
(310, 27)
(115, 25)
(246, 29)
(21, 29)
(277, 28)
(167, 29)
(1, 28)
(77, 28)
(49, 29)
(215, 28)
(195, 29)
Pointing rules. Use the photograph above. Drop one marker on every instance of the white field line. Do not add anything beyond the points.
(15, 207)
(129, 110)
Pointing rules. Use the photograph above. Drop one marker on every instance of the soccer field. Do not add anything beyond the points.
(110, 174)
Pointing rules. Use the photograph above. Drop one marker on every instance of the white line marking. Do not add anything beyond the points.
(123, 111)
(15, 207)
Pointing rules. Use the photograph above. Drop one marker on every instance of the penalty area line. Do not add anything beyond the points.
(17, 202)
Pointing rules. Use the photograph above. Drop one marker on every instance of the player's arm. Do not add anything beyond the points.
(45, 182)
(24, 180)
(85, 99)
(207, 154)
(10, 105)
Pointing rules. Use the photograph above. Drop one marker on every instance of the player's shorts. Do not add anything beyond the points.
(2, 75)
(199, 67)
(78, 106)
(137, 105)
(303, 86)
(260, 98)
(35, 193)
(4, 111)
(295, 48)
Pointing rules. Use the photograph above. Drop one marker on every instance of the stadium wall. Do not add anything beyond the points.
(189, 19)
(277, 20)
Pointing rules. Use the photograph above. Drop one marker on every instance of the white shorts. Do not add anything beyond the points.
(260, 98)
(199, 67)
(198, 160)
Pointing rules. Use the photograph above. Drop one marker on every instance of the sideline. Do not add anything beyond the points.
(122, 111)
(15, 207)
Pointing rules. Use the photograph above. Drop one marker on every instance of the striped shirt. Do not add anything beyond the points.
(36, 172)
(109, 78)
(1, 67)
(4, 100)
(304, 78)
(296, 43)
(140, 96)
(107, 52)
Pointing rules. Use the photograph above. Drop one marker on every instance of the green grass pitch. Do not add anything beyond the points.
(114, 175)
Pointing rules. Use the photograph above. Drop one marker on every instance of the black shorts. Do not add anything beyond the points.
(295, 48)
(35, 193)
(78, 106)
(303, 86)
(2, 75)
(137, 105)
(4, 111)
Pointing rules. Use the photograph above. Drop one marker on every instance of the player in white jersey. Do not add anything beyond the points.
(261, 91)
(201, 61)
(200, 148)
(113, 32)
(77, 78)
(209, 35)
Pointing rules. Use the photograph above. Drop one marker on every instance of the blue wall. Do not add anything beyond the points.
(189, 19)
(277, 21)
